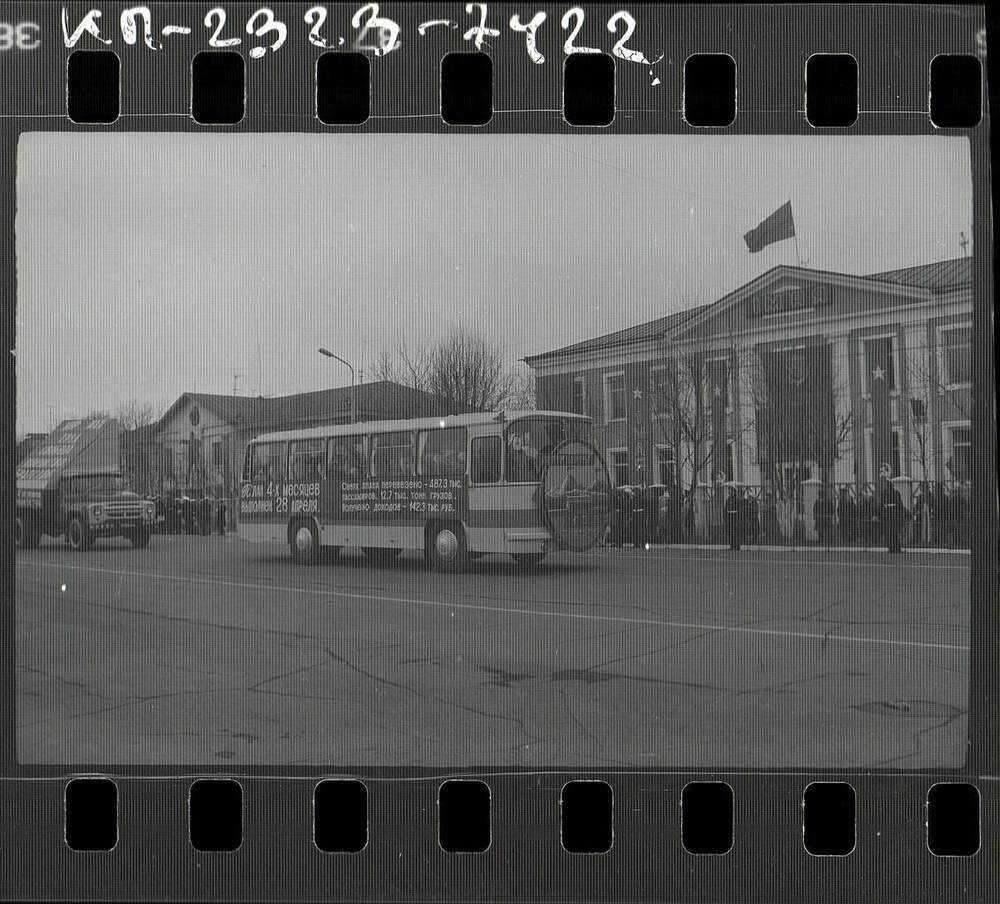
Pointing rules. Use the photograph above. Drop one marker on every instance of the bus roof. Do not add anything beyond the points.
(420, 423)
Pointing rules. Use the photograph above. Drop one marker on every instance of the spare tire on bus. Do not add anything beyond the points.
(575, 495)
(446, 547)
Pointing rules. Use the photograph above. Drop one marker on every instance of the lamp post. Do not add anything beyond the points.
(354, 411)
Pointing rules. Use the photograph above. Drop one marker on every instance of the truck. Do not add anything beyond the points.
(71, 486)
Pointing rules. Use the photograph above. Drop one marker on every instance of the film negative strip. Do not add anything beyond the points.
(495, 451)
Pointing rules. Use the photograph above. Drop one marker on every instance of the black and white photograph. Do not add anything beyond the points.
(520, 450)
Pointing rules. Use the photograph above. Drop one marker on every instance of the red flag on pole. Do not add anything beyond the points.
(878, 354)
(776, 228)
(718, 400)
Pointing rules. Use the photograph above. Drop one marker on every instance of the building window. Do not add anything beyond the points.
(217, 454)
(614, 397)
(956, 357)
(881, 349)
(959, 463)
(579, 405)
(659, 378)
(717, 474)
(666, 465)
(618, 465)
(896, 459)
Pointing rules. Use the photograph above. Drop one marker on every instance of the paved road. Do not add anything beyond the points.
(214, 650)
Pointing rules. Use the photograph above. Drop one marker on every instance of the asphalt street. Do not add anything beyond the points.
(216, 651)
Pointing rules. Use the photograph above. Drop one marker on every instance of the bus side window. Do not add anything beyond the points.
(278, 460)
(486, 459)
(443, 451)
(346, 457)
(248, 464)
(392, 455)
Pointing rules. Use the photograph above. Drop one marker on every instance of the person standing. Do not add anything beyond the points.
(734, 517)
(847, 516)
(892, 516)
(663, 512)
(823, 517)
(751, 518)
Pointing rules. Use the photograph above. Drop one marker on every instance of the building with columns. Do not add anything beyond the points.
(773, 383)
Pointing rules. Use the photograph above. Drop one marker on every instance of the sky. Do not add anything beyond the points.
(153, 264)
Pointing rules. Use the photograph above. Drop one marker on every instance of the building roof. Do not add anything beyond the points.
(935, 277)
(654, 329)
(379, 400)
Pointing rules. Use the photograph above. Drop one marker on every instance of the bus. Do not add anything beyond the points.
(455, 488)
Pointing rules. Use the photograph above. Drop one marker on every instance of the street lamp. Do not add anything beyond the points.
(354, 411)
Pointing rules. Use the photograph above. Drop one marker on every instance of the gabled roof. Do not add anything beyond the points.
(936, 277)
(654, 329)
(381, 399)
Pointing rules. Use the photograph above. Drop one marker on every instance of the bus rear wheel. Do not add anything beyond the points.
(528, 559)
(303, 543)
(446, 547)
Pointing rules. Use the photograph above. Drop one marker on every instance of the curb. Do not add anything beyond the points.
(869, 549)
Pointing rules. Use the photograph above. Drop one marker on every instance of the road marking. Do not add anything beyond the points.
(733, 629)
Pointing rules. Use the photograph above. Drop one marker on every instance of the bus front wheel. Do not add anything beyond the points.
(303, 543)
(446, 547)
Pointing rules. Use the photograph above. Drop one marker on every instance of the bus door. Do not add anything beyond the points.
(487, 495)
(527, 441)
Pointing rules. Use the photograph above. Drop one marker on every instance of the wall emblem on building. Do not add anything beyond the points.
(194, 416)
(796, 368)
(786, 299)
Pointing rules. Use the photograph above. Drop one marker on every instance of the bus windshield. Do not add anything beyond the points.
(530, 440)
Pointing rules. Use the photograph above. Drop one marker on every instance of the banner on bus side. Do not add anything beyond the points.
(347, 500)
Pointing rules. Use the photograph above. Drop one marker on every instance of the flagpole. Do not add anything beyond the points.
(795, 235)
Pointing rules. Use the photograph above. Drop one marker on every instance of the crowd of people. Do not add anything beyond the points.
(199, 514)
(665, 515)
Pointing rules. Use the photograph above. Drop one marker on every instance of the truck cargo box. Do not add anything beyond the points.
(89, 446)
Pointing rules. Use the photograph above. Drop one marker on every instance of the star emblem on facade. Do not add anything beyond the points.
(717, 391)
(637, 393)
(878, 373)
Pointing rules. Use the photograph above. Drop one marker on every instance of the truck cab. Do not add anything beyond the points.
(100, 505)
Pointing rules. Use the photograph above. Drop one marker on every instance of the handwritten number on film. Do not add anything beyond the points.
(373, 32)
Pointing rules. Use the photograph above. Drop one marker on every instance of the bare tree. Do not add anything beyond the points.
(408, 364)
(927, 393)
(681, 413)
(134, 414)
(467, 369)
(681, 408)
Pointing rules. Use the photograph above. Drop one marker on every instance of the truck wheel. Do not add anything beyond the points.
(140, 537)
(446, 547)
(527, 559)
(303, 543)
(26, 533)
(79, 535)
